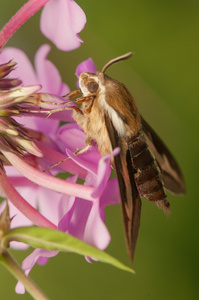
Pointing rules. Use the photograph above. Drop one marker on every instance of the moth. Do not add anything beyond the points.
(145, 168)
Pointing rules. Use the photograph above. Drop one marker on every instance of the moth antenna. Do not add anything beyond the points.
(117, 59)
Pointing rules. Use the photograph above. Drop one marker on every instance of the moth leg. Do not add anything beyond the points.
(77, 109)
(82, 150)
(88, 110)
(72, 94)
(84, 99)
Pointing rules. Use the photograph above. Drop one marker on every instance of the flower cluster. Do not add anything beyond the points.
(30, 143)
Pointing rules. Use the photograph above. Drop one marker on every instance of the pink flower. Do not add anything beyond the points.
(61, 20)
(29, 166)
(45, 74)
(71, 214)
(80, 218)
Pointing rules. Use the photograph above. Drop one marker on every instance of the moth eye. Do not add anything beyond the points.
(92, 86)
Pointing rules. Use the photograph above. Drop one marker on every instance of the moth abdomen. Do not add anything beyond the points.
(147, 173)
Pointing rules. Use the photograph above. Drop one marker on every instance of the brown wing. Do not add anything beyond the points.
(130, 199)
(171, 173)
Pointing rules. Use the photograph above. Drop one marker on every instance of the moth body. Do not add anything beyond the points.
(109, 116)
(93, 122)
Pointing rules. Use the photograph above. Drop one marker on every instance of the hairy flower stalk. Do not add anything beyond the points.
(30, 8)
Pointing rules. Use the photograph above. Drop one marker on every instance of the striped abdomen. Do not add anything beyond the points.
(147, 173)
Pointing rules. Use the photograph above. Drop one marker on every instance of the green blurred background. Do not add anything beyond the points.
(163, 77)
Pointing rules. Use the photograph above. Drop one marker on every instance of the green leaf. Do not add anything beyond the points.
(47, 238)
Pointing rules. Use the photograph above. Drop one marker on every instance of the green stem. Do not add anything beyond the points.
(15, 269)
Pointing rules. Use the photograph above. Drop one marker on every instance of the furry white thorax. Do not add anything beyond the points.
(118, 123)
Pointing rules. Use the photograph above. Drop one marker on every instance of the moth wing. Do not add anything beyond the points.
(130, 199)
(171, 173)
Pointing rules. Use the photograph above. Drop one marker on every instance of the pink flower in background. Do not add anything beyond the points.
(61, 21)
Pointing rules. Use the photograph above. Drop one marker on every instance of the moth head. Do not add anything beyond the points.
(91, 83)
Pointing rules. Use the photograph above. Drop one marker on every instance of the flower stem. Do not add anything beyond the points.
(23, 14)
(9, 262)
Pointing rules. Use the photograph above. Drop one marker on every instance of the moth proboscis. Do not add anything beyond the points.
(144, 167)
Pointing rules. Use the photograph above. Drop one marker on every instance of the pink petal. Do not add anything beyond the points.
(89, 166)
(29, 263)
(66, 209)
(21, 204)
(84, 222)
(61, 20)
(48, 74)
(80, 213)
(49, 204)
(52, 156)
(96, 233)
(31, 259)
(71, 136)
(86, 66)
(104, 171)
(24, 69)
(64, 223)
